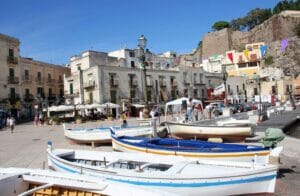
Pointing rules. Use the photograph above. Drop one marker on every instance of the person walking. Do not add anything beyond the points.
(36, 120)
(11, 124)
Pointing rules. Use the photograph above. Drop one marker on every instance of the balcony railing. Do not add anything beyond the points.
(28, 97)
(52, 96)
(12, 80)
(50, 81)
(89, 84)
(39, 80)
(198, 82)
(12, 60)
(27, 78)
(186, 82)
(14, 96)
(68, 95)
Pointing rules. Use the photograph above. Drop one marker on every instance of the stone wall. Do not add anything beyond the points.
(276, 28)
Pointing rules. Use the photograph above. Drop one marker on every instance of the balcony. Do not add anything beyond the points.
(51, 97)
(28, 97)
(50, 81)
(70, 96)
(162, 83)
(186, 82)
(12, 80)
(39, 80)
(13, 97)
(114, 83)
(198, 82)
(90, 84)
(27, 79)
(12, 60)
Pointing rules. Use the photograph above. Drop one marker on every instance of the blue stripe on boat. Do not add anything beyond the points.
(184, 185)
(186, 145)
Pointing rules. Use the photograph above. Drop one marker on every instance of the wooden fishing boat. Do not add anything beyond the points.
(21, 181)
(194, 148)
(176, 175)
(192, 131)
(102, 134)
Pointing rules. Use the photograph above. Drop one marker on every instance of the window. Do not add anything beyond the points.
(39, 75)
(113, 96)
(185, 92)
(195, 78)
(149, 96)
(242, 65)
(132, 64)
(132, 94)
(185, 77)
(91, 99)
(60, 78)
(201, 78)
(26, 72)
(237, 88)
(71, 88)
(11, 52)
(255, 91)
(40, 92)
(26, 92)
(273, 90)
(49, 76)
(50, 92)
(11, 72)
(244, 86)
(203, 93)
(195, 93)
(61, 92)
(131, 54)
(228, 89)
(12, 93)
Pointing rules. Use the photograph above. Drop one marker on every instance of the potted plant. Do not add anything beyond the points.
(55, 120)
(78, 119)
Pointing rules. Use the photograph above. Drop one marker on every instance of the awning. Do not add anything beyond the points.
(138, 105)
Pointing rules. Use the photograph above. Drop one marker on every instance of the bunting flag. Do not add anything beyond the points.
(263, 50)
(284, 44)
(246, 53)
(230, 56)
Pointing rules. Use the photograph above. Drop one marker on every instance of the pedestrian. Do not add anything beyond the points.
(124, 125)
(36, 120)
(12, 124)
(190, 109)
(152, 113)
(195, 113)
(41, 118)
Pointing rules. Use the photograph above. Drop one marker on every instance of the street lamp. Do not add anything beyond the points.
(225, 76)
(257, 81)
(142, 42)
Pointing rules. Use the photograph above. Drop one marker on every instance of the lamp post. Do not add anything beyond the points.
(225, 76)
(257, 80)
(142, 42)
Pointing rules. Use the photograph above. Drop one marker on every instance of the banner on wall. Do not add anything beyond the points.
(284, 44)
(263, 50)
(246, 53)
(230, 56)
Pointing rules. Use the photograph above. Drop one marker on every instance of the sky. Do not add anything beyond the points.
(54, 30)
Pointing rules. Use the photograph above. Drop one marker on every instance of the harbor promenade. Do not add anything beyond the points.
(26, 147)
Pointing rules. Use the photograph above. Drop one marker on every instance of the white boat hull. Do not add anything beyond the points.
(227, 133)
(103, 136)
(250, 183)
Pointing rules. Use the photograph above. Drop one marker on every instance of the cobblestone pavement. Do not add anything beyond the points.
(26, 147)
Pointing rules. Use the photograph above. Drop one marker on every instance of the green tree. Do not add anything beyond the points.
(220, 25)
